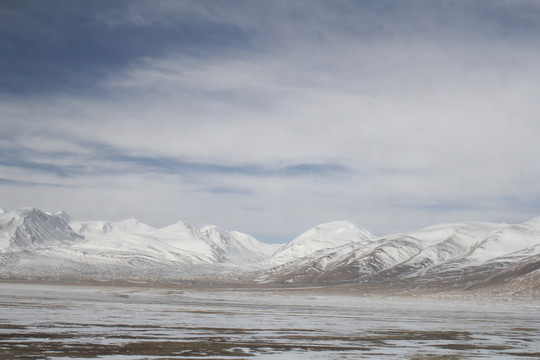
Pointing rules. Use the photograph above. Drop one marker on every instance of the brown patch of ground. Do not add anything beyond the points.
(32, 345)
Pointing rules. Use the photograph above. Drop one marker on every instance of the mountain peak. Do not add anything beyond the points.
(63, 215)
(26, 211)
(343, 227)
(181, 226)
(30, 227)
(323, 236)
(533, 223)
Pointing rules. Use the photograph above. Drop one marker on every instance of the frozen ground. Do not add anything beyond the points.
(39, 321)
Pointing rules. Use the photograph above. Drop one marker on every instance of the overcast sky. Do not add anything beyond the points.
(270, 117)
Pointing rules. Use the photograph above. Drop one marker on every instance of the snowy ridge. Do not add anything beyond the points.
(236, 246)
(442, 251)
(37, 244)
(31, 228)
(324, 236)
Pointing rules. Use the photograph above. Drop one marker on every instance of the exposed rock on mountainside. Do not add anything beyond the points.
(32, 228)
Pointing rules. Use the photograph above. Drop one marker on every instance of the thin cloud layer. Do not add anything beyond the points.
(272, 117)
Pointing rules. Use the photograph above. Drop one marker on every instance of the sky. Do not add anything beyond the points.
(270, 117)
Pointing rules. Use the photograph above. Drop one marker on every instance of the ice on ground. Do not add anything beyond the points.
(134, 322)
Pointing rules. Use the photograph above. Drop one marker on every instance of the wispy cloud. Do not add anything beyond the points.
(176, 166)
(10, 182)
(226, 190)
(106, 159)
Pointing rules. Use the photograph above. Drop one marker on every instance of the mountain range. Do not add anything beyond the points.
(458, 256)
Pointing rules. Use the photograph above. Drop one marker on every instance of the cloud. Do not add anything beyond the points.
(59, 47)
(391, 114)
(87, 158)
(9, 182)
(440, 206)
(226, 190)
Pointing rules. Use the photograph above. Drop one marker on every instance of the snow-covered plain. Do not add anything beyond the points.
(60, 321)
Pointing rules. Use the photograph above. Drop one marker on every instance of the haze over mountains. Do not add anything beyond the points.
(470, 255)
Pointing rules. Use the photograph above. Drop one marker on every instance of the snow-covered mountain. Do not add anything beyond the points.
(321, 237)
(449, 254)
(236, 247)
(37, 244)
(32, 228)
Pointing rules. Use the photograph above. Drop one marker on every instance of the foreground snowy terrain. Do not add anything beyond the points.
(39, 245)
(49, 322)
